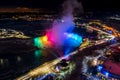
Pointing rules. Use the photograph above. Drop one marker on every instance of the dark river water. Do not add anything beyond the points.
(15, 65)
(17, 58)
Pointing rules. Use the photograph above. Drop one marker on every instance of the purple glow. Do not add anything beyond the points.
(66, 23)
(61, 32)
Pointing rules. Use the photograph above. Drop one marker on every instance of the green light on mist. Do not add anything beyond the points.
(38, 42)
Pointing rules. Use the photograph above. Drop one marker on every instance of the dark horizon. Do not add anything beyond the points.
(95, 5)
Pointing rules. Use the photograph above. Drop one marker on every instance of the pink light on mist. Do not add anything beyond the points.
(50, 37)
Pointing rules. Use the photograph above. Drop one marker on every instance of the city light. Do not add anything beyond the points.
(99, 68)
(106, 74)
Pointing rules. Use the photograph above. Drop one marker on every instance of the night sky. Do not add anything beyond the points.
(87, 4)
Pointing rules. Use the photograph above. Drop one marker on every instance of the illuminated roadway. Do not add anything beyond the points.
(41, 70)
(46, 67)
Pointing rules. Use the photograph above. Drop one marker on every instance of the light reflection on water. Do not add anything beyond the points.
(3, 62)
(18, 64)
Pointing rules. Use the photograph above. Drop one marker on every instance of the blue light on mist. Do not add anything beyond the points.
(99, 68)
(71, 42)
